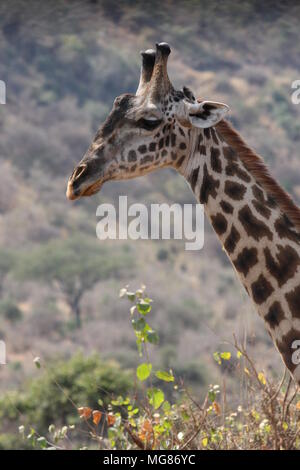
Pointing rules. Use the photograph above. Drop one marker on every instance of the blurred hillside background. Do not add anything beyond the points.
(63, 63)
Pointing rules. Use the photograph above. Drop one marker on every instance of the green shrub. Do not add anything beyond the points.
(10, 311)
(53, 398)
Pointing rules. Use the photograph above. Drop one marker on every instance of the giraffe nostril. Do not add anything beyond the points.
(78, 172)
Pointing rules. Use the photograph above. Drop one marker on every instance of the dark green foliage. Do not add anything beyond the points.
(64, 385)
(9, 310)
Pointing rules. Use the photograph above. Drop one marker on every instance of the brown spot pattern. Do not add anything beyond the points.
(142, 149)
(283, 228)
(246, 260)
(226, 207)
(261, 290)
(229, 154)
(202, 149)
(275, 315)
(261, 209)
(235, 190)
(293, 299)
(285, 266)
(254, 227)
(132, 156)
(214, 136)
(232, 240)
(233, 169)
(215, 160)
(219, 223)
(209, 186)
(194, 178)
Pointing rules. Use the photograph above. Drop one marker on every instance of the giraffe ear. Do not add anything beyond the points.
(206, 113)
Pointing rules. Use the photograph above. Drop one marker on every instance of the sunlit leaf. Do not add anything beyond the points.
(143, 307)
(262, 378)
(216, 357)
(226, 355)
(156, 397)
(143, 371)
(42, 442)
(204, 442)
(162, 375)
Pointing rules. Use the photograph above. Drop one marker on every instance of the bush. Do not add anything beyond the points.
(53, 398)
(10, 311)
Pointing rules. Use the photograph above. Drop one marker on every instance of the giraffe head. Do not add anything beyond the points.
(145, 131)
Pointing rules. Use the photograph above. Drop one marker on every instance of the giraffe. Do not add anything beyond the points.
(256, 221)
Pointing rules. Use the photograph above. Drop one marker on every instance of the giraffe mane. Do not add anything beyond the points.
(256, 166)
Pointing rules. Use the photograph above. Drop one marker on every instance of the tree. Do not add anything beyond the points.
(75, 264)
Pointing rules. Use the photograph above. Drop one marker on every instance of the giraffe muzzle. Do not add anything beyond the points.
(79, 186)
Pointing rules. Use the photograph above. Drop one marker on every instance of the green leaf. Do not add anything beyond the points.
(143, 371)
(204, 442)
(156, 397)
(152, 337)
(216, 357)
(166, 406)
(139, 324)
(143, 307)
(164, 376)
(42, 442)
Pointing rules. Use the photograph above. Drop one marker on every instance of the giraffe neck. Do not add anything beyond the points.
(261, 242)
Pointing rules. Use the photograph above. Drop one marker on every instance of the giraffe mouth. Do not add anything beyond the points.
(93, 189)
(73, 194)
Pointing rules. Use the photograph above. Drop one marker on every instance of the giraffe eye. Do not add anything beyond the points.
(149, 124)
